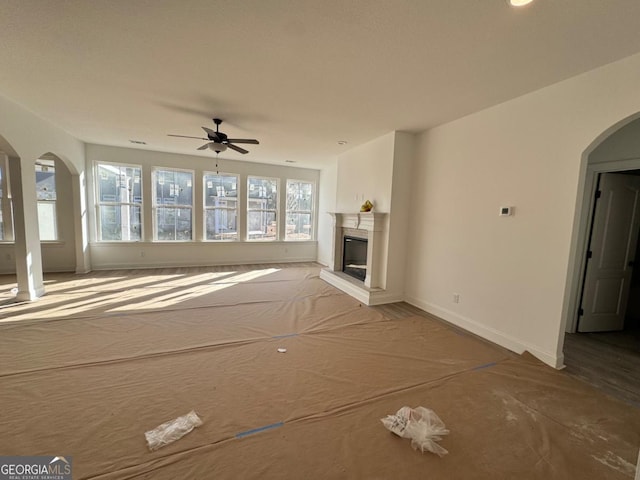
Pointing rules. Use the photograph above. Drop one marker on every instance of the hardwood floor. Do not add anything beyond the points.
(610, 361)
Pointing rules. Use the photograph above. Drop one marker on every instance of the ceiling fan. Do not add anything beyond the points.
(218, 141)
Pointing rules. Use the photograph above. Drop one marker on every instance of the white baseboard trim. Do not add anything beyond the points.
(380, 298)
(142, 266)
(487, 333)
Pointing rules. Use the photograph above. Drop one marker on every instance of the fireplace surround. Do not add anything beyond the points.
(371, 227)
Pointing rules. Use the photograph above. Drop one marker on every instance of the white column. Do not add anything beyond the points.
(336, 243)
(27, 237)
(81, 223)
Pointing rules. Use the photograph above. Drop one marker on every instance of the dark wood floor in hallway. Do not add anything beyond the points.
(610, 361)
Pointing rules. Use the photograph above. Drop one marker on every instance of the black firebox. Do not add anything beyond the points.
(354, 257)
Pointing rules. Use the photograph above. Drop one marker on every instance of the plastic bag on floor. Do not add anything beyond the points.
(172, 430)
(421, 425)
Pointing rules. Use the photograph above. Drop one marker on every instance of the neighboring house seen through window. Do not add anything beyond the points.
(46, 195)
(299, 210)
(173, 204)
(262, 208)
(119, 203)
(221, 206)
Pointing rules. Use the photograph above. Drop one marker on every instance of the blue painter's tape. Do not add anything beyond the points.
(486, 365)
(258, 430)
(285, 335)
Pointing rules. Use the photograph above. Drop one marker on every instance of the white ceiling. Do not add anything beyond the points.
(299, 75)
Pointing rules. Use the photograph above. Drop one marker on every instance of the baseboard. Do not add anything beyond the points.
(381, 298)
(487, 333)
(140, 266)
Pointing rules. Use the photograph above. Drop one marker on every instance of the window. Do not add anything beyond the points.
(2, 198)
(173, 204)
(299, 210)
(262, 209)
(119, 189)
(221, 206)
(46, 196)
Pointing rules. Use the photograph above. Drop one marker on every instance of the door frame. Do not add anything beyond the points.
(582, 234)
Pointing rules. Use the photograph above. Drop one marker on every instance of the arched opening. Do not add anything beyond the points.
(602, 301)
(54, 192)
(7, 250)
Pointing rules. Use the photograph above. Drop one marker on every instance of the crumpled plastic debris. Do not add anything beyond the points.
(172, 430)
(421, 425)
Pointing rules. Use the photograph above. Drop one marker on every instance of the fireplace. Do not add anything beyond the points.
(354, 257)
(358, 263)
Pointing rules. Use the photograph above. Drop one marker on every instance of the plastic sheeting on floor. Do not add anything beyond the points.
(91, 380)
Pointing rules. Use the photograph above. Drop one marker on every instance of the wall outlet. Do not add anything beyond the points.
(142, 253)
(456, 298)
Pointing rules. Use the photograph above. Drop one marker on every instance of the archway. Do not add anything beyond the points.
(616, 151)
(54, 191)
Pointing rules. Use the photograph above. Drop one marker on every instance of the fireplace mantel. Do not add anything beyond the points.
(373, 227)
(368, 221)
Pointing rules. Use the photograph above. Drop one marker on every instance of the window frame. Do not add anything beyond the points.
(275, 210)
(99, 203)
(54, 202)
(206, 208)
(155, 206)
(310, 212)
(6, 210)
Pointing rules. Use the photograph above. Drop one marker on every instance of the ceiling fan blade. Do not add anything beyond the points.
(204, 147)
(211, 134)
(237, 149)
(243, 140)
(186, 136)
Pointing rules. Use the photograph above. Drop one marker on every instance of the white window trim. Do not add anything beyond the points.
(205, 208)
(98, 203)
(312, 211)
(50, 202)
(276, 209)
(154, 204)
(5, 201)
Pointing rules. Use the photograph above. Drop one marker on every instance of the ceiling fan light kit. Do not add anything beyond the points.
(219, 142)
(217, 147)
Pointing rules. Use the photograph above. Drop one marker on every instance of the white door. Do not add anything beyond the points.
(613, 244)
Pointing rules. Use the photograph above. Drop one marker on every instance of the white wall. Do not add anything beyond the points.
(365, 172)
(106, 255)
(327, 196)
(380, 171)
(31, 137)
(401, 212)
(25, 137)
(511, 272)
(624, 144)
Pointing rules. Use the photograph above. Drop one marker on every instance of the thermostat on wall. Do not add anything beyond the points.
(506, 211)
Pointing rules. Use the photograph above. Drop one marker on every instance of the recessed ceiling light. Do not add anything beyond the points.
(342, 142)
(519, 3)
(138, 142)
